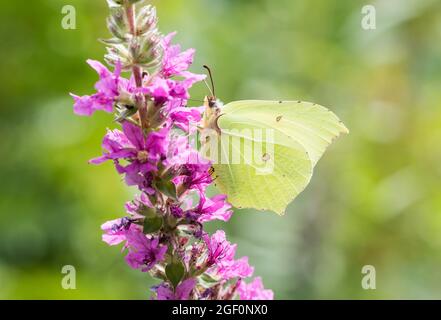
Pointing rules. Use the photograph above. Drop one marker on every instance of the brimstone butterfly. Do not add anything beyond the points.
(301, 132)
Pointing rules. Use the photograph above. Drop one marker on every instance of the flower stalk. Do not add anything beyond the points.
(136, 70)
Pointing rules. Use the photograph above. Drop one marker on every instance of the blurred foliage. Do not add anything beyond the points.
(375, 198)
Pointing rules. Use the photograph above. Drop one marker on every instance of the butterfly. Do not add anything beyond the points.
(291, 138)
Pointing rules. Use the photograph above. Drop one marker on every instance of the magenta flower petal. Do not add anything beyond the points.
(165, 293)
(221, 256)
(134, 135)
(98, 160)
(82, 105)
(183, 117)
(211, 209)
(102, 71)
(144, 252)
(116, 230)
(254, 291)
(175, 61)
(184, 289)
(236, 268)
(218, 247)
(182, 292)
(107, 91)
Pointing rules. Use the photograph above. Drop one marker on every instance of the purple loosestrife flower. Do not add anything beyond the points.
(195, 176)
(131, 145)
(229, 269)
(176, 211)
(163, 232)
(107, 91)
(221, 258)
(116, 230)
(175, 62)
(167, 91)
(136, 207)
(182, 291)
(183, 117)
(254, 291)
(178, 153)
(218, 247)
(144, 252)
(211, 209)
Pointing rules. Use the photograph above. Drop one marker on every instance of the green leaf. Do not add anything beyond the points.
(208, 279)
(148, 212)
(175, 272)
(302, 131)
(152, 221)
(152, 225)
(166, 187)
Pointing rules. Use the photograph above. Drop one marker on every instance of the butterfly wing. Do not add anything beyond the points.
(301, 132)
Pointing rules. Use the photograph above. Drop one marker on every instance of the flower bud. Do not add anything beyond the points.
(118, 3)
(146, 20)
(118, 53)
(117, 23)
(146, 50)
(124, 112)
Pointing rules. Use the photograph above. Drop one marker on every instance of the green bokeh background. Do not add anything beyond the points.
(375, 198)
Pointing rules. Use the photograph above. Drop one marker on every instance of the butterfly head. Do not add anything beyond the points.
(212, 113)
(211, 102)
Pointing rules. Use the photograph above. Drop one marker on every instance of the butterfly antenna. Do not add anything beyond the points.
(212, 90)
(209, 89)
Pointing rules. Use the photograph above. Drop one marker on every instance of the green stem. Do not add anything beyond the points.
(136, 70)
